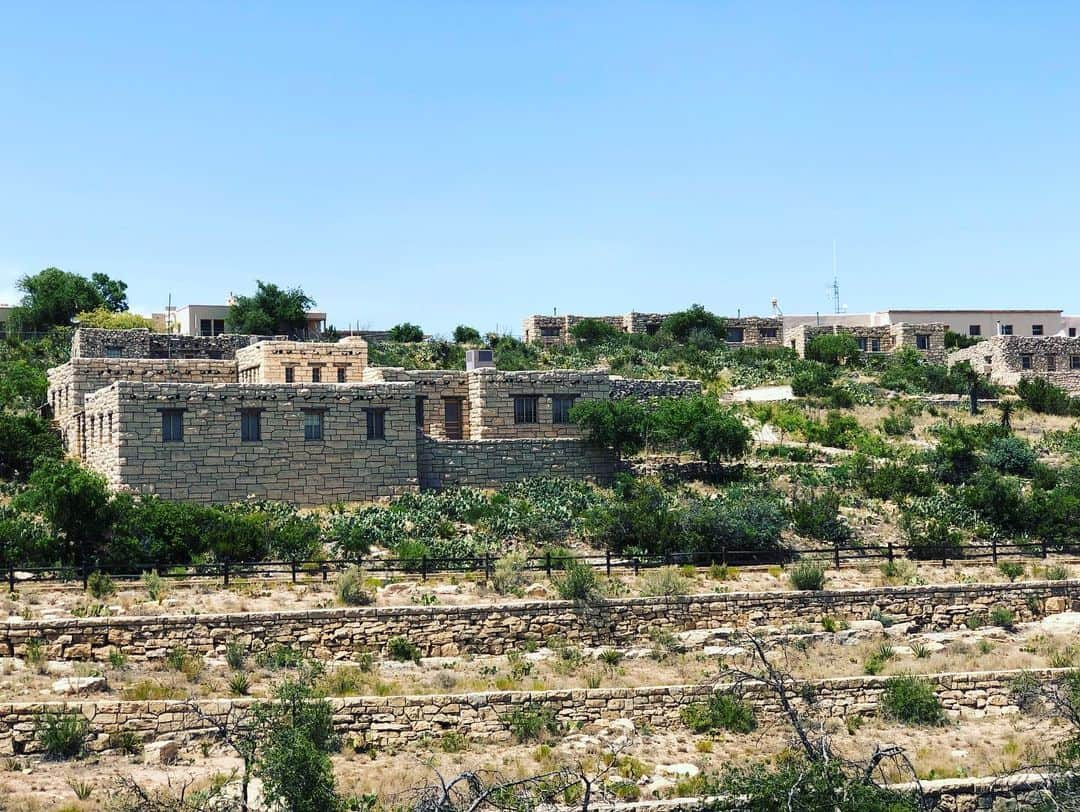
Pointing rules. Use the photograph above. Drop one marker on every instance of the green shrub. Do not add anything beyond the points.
(156, 587)
(235, 655)
(1056, 572)
(897, 424)
(579, 583)
(239, 684)
(833, 348)
(100, 585)
(279, 656)
(720, 712)
(509, 576)
(406, 333)
(1011, 569)
(664, 582)
(1011, 455)
(1002, 617)
(911, 700)
(807, 576)
(350, 588)
(531, 722)
(1044, 397)
(126, 741)
(817, 516)
(400, 648)
(62, 735)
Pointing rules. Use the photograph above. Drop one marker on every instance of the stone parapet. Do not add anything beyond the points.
(497, 628)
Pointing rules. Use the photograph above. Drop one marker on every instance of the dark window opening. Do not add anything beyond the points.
(525, 409)
(376, 424)
(420, 411)
(560, 408)
(922, 341)
(250, 425)
(172, 425)
(341, 374)
(313, 425)
(316, 374)
(452, 422)
(734, 335)
(974, 330)
(290, 374)
(1025, 362)
(1036, 329)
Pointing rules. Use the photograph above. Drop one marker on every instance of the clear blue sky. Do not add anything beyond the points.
(446, 162)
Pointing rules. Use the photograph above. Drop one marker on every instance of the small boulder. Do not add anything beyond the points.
(1061, 623)
(161, 752)
(678, 770)
(78, 685)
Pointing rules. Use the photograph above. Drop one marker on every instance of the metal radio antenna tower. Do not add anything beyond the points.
(835, 281)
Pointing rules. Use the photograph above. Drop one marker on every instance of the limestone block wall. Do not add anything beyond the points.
(492, 463)
(394, 721)
(1054, 358)
(434, 387)
(758, 331)
(70, 383)
(492, 393)
(906, 336)
(266, 361)
(546, 330)
(141, 343)
(879, 336)
(497, 628)
(213, 463)
(100, 423)
(641, 389)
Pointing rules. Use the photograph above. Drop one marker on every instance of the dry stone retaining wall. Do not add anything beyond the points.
(492, 463)
(496, 629)
(398, 720)
(141, 343)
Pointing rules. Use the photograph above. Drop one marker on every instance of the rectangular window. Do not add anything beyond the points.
(1072, 332)
(420, 411)
(290, 374)
(1006, 329)
(974, 330)
(341, 374)
(734, 335)
(1025, 362)
(922, 341)
(218, 327)
(172, 425)
(114, 352)
(316, 374)
(250, 425)
(861, 341)
(525, 409)
(1036, 330)
(875, 345)
(376, 423)
(1074, 362)
(453, 424)
(1051, 363)
(769, 332)
(206, 327)
(560, 408)
(550, 332)
(313, 425)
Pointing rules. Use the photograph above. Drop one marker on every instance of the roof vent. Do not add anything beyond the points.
(479, 359)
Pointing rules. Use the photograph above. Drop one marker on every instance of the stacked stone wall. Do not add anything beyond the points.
(494, 629)
(492, 393)
(100, 424)
(266, 361)
(434, 387)
(1053, 358)
(905, 336)
(758, 331)
(493, 463)
(394, 721)
(214, 464)
(141, 343)
(640, 389)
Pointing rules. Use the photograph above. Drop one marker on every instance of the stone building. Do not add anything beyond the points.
(311, 423)
(928, 339)
(1008, 359)
(754, 331)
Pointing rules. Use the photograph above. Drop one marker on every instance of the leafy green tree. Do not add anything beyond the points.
(833, 349)
(590, 332)
(679, 326)
(23, 385)
(700, 423)
(75, 502)
(406, 332)
(24, 539)
(108, 319)
(463, 334)
(270, 311)
(621, 425)
(53, 297)
(25, 439)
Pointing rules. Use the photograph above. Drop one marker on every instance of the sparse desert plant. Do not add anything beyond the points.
(100, 585)
(723, 572)
(911, 700)
(531, 722)
(898, 571)
(341, 681)
(453, 742)
(579, 583)
(62, 735)
(147, 689)
(1056, 572)
(34, 655)
(1003, 617)
(155, 585)
(664, 582)
(832, 624)
(400, 648)
(1011, 569)
(82, 789)
(920, 651)
(126, 741)
(611, 658)
(875, 661)
(350, 588)
(721, 711)
(509, 576)
(117, 659)
(279, 656)
(239, 684)
(234, 655)
(807, 576)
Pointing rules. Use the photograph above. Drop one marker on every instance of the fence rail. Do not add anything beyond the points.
(836, 555)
